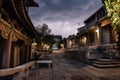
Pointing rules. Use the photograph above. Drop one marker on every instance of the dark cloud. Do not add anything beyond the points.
(60, 5)
(67, 15)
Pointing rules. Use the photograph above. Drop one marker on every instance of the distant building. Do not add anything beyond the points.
(71, 41)
(64, 43)
(58, 41)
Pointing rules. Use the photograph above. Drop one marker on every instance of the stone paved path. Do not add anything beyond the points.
(66, 69)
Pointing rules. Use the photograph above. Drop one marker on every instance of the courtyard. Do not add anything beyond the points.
(66, 69)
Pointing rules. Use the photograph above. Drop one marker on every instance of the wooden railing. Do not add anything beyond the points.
(17, 72)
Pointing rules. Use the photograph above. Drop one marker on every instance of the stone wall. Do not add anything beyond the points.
(92, 53)
(77, 54)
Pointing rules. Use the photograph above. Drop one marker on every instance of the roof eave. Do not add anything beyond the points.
(32, 3)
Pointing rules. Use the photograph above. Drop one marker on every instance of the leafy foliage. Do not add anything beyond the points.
(113, 9)
(43, 30)
(46, 38)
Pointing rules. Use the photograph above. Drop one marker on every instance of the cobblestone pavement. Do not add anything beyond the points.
(67, 69)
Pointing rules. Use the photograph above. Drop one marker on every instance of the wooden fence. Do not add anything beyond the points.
(17, 73)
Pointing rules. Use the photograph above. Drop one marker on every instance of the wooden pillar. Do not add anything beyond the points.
(100, 34)
(1, 1)
(88, 38)
(28, 53)
(113, 35)
(31, 51)
(7, 52)
(16, 56)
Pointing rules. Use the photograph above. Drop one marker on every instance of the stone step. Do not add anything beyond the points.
(106, 62)
(106, 66)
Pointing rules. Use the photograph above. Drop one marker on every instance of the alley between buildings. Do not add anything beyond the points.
(67, 69)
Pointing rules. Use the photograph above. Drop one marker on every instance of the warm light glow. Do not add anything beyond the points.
(34, 43)
(46, 47)
(62, 45)
(34, 46)
(97, 30)
(70, 42)
(84, 40)
(97, 36)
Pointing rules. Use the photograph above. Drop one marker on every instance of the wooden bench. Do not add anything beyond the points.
(49, 62)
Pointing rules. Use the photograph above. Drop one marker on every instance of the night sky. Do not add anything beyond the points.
(63, 16)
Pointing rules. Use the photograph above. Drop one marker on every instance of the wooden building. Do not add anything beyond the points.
(97, 33)
(16, 32)
(99, 29)
(71, 41)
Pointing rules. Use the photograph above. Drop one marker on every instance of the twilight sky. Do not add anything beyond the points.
(63, 16)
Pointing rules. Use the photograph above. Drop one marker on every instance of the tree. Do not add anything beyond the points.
(43, 30)
(46, 38)
(49, 39)
(113, 9)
